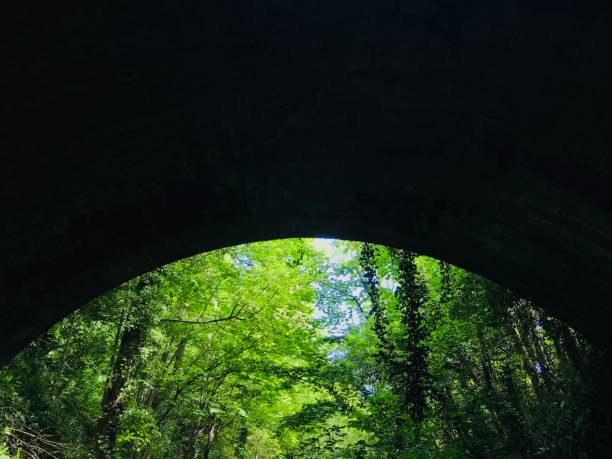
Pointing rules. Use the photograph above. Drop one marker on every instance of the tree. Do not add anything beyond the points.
(278, 349)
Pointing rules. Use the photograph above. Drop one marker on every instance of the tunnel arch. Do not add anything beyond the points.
(141, 134)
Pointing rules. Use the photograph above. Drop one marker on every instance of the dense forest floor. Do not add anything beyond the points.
(307, 348)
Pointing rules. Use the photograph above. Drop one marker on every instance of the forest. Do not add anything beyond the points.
(307, 348)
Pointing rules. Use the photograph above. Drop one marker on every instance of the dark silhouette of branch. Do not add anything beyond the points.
(202, 322)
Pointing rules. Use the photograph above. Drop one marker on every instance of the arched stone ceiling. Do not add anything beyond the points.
(137, 133)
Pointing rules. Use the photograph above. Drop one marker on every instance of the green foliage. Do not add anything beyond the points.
(278, 349)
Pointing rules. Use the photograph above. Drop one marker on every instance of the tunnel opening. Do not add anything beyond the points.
(307, 348)
(476, 135)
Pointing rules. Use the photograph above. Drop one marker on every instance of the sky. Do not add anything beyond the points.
(328, 246)
(325, 245)
(336, 255)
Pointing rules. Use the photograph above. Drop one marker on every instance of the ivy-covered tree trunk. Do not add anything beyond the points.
(413, 374)
(386, 348)
(511, 414)
(406, 359)
(242, 439)
(370, 282)
(136, 324)
(112, 401)
(485, 363)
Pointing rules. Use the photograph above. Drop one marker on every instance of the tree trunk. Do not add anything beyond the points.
(135, 323)
(112, 401)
